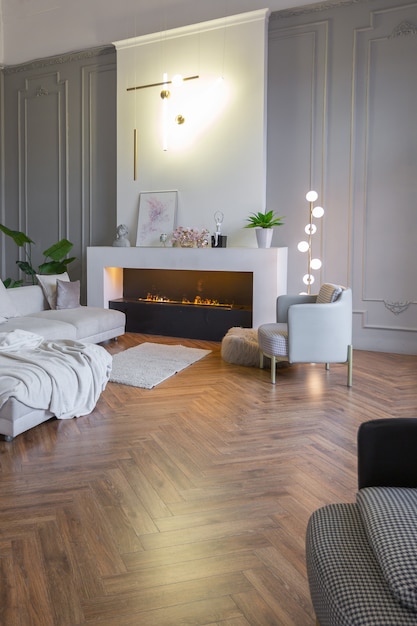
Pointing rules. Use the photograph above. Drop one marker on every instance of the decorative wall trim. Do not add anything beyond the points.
(41, 91)
(59, 60)
(405, 28)
(397, 307)
(313, 8)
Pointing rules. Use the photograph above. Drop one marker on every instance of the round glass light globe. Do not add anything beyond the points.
(311, 196)
(318, 211)
(315, 264)
(310, 229)
(308, 279)
(303, 246)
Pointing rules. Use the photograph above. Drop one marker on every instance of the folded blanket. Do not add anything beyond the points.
(66, 377)
(19, 339)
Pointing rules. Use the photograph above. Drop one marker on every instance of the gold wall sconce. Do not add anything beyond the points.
(165, 95)
(163, 83)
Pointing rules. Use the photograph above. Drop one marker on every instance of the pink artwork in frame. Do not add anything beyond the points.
(157, 216)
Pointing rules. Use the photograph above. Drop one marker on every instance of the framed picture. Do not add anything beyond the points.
(157, 215)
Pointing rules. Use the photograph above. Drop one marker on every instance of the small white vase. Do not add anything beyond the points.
(264, 237)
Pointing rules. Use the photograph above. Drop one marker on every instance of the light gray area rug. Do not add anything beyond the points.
(149, 364)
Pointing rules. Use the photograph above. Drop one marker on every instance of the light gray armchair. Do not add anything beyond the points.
(310, 329)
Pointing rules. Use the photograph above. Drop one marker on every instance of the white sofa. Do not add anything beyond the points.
(83, 323)
(32, 313)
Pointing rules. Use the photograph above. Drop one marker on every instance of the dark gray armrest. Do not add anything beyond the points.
(387, 453)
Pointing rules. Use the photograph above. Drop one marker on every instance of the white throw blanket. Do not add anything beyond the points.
(65, 377)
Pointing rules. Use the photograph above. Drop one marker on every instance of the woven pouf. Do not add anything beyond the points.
(240, 346)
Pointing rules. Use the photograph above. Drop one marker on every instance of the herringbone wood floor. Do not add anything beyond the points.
(186, 504)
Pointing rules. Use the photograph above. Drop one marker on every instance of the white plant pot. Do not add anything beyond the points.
(264, 237)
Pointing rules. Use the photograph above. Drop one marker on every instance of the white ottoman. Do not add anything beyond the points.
(240, 346)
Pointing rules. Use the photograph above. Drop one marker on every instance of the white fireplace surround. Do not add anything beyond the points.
(268, 266)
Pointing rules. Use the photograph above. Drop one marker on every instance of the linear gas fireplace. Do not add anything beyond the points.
(202, 289)
(195, 304)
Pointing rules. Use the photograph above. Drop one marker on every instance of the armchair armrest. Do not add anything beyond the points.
(387, 453)
(285, 301)
(320, 333)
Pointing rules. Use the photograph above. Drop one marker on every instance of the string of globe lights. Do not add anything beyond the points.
(306, 246)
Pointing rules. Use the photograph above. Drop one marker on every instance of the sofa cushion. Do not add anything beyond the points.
(48, 328)
(87, 321)
(7, 308)
(67, 294)
(328, 293)
(48, 284)
(390, 518)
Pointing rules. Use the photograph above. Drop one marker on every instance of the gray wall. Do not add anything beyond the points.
(342, 115)
(342, 98)
(60, 154)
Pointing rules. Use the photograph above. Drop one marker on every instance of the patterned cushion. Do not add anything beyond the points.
(347, 586)
(390, 518)
(273, 339)
(328, 293)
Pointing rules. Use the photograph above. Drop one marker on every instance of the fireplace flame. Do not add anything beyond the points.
(198, 300)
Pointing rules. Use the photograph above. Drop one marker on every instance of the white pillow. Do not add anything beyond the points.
(7, 308)
(48, 284)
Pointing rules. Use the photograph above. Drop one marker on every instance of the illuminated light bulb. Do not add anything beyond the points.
(311, 196)
(315, 264)
(177, 80)
(310, 229)
(308, 279)
(318, 211)
(303, 246)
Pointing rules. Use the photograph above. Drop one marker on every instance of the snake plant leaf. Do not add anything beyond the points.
(55, 267)
(18, 237)
(9, 283)
(26, 268)
(59, 250)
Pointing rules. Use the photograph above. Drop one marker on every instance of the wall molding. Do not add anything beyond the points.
(403, 29)
(59, 60)
(397, 307)
(313, 8)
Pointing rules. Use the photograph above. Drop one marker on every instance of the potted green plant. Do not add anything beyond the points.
(264, 223)
(54, 257)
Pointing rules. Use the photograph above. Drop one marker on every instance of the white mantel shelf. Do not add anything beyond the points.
(268, 265)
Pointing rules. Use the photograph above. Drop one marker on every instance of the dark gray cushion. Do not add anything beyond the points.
(390, 518)
(67, 294)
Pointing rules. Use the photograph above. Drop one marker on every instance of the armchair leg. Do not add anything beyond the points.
(350, 363)
(273, 369)
(261, 359)
(327, 366)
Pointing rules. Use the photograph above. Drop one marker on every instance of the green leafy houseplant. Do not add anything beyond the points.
(54, 257)
(264, 220)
